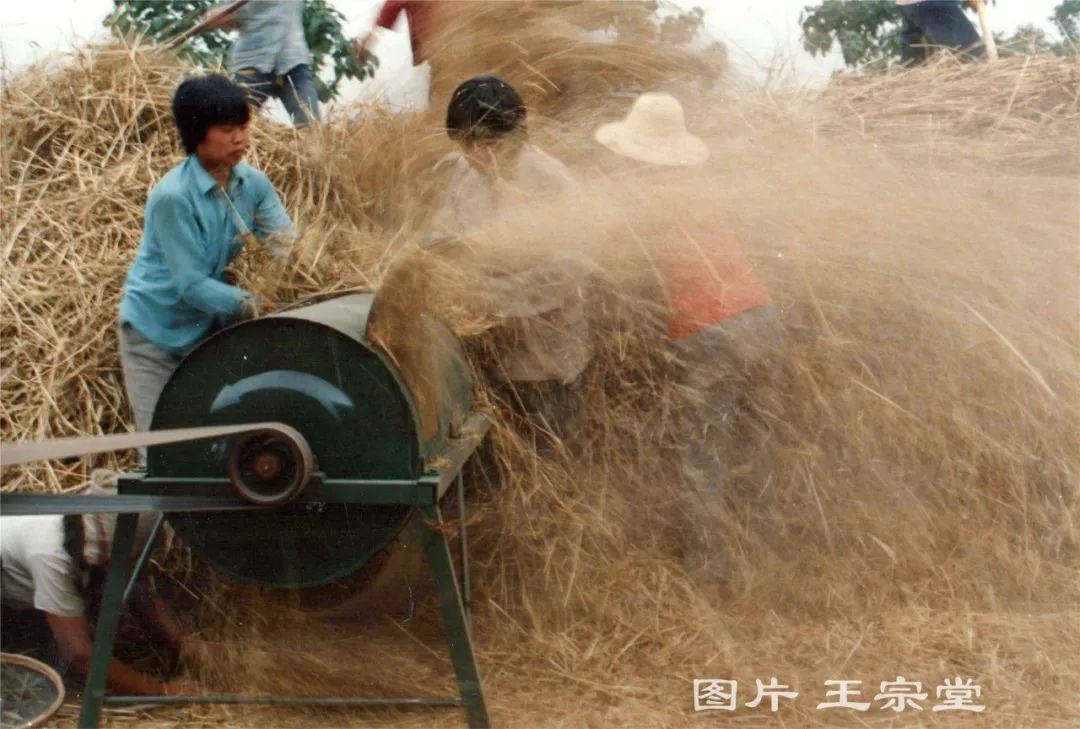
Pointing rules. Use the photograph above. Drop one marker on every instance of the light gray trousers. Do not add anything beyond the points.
(716, 367)
(147, 367)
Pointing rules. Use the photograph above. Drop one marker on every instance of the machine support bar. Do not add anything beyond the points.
(455, 624)
(29, 504)
(466, 583)
(290, 700)
(105, 635)
(473, 431)
(143, 556)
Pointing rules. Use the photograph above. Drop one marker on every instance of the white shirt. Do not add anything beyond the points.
(545, 333)
(35, 570)
(471, 198)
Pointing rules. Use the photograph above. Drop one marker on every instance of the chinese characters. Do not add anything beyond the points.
(954, 694)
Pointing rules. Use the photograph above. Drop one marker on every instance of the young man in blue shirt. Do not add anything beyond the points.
(197, 218)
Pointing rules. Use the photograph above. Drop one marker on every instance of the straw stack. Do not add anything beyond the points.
(910, 507)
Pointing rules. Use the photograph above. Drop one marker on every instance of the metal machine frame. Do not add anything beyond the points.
(141, 493)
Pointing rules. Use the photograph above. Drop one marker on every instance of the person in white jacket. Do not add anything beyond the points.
(543, 339)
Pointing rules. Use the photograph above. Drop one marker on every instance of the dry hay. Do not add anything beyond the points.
(1018, 111)
(546, 54)
(919, 513)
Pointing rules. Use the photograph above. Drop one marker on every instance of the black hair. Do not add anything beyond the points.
(485, 108)
(200, 103)
(74, 538)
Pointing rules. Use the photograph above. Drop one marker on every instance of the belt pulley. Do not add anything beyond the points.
(268, 466)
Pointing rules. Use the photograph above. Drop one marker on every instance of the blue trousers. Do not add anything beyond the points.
(937, 23)
(296, 89)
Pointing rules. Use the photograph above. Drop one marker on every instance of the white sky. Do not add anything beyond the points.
(758, 33)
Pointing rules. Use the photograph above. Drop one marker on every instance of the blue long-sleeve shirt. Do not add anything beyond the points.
(175, 289)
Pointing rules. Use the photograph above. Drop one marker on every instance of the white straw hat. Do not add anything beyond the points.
(654, 131)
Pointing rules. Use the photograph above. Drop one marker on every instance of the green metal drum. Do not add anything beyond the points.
(366, 413)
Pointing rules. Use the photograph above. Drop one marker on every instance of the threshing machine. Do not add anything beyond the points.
(289, 451)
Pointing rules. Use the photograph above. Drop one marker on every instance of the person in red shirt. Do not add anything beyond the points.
(425, 21)
(721, 321)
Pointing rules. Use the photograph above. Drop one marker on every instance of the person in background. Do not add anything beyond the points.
(543, 341)
(48, 563)
(721, 321)
(198, 218)
(270, 57)
(425, 18)
(936, 23)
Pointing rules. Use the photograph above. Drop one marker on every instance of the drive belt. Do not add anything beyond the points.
(13, 454)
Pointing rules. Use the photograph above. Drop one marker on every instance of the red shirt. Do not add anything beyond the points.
(423, 23)
(707, 281)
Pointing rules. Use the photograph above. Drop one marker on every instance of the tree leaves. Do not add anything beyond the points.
(1067, 19)
(865, 30)
(160, 20)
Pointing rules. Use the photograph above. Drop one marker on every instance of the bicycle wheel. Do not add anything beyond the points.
(30, 692)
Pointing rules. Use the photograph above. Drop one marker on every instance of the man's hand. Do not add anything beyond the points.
(249, 309)
(365, 56)
(72, 636)
(360, 48)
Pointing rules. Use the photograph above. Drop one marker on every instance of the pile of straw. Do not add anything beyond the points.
(541, 48)
(1020, 111)
(917, 514)
(82, 145)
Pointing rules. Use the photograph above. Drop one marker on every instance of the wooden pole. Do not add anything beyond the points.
(987, 33)
(202, 25)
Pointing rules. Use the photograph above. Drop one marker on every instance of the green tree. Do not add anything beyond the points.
(1067, 19)
(161, 20)
(865, 30)
(1025, 40)
(682, 27)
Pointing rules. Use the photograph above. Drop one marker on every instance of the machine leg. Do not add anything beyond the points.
(463, 539)
(143, 556)
(455, 623)
(105, 635)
